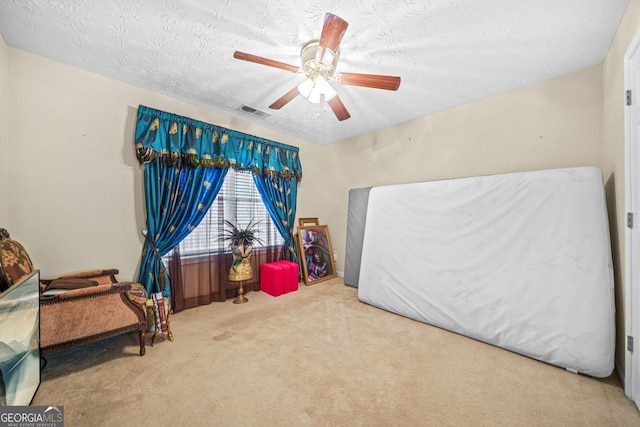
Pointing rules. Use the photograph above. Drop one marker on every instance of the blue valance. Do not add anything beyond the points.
(181, 140)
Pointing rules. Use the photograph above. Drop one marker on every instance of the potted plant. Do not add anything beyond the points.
(241, 241)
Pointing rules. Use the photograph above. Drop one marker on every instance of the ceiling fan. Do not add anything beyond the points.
(319, 60)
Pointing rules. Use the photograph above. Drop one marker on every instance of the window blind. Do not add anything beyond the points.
(238, 202)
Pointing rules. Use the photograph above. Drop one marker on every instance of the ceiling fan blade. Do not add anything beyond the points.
(285, 99)
(375, 81)
(338, 108)
(265, 61)
(330, 38)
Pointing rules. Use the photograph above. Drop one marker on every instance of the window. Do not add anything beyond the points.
(238, 202)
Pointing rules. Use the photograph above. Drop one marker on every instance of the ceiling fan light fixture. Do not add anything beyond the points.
(314, 96)
(325, 88)
(305, 88)
(313, 89)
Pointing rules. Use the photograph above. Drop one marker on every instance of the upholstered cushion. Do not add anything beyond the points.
(14, 263)
(58, 286)
(103, 277)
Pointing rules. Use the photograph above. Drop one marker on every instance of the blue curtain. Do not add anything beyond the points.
(279, 196)
(177, 198)
(185, 164)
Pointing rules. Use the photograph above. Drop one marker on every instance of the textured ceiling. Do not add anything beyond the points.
(448, 52)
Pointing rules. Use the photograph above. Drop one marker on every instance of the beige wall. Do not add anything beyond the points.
(613, 160)
(76, 186)
(4, 134)
(552, 124)
(75, 198)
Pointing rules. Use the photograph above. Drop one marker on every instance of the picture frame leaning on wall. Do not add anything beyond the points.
(316, 254)
(308, 221)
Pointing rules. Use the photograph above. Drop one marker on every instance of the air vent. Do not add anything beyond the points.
(253, 111)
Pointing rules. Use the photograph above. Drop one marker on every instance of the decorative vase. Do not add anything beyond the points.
(241, 269)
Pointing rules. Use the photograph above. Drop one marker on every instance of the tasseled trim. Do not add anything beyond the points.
(146, 155)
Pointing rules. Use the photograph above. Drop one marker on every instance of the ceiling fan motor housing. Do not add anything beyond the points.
(312, 67)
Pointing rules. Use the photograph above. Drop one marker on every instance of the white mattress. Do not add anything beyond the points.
(521, 261)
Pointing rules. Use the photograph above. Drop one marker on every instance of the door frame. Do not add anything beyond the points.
(632, 201)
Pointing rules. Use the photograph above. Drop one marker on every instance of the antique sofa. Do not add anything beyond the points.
(77, 308)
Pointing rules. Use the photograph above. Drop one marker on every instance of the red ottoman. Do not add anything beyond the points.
(280, 277)
(290, 275)
(272, 278)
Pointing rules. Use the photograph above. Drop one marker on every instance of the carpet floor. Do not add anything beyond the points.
(318, 357)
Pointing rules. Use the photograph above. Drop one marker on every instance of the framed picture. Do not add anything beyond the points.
(308, 221)
(316, 254)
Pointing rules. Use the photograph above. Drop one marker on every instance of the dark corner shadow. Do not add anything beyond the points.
(77, 359)
(612, 212)
(610, 194)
